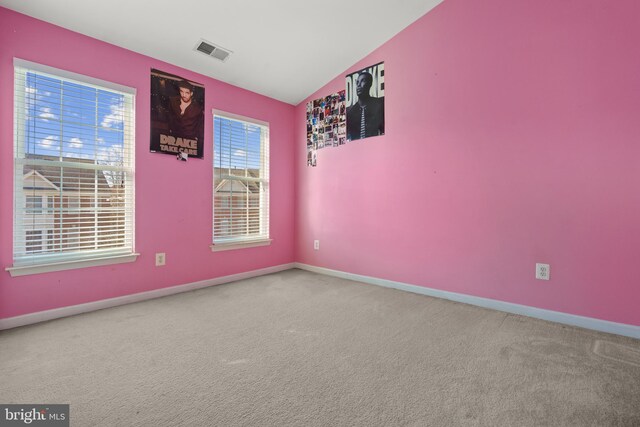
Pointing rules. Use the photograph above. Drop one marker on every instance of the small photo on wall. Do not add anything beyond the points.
(312, 158)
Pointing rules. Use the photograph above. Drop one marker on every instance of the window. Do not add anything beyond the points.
(51, 240)
(33, 204)
(73, 152)
(34, 240)
(50, 204)
(240, 182)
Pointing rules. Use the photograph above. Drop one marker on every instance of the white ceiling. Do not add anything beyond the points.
(284, 49)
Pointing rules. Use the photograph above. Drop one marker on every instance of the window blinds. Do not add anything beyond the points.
(73, 163)
(241, 180)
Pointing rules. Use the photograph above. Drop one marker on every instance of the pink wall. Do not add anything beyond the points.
(173, 199)
(512, 138)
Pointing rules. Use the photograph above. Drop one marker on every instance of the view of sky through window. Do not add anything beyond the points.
(69, 120)
(237, 144)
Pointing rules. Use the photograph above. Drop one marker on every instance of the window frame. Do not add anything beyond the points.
(263, 238)
(25, 264)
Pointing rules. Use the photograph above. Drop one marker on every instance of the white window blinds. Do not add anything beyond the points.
(241, 180)
(73, 163)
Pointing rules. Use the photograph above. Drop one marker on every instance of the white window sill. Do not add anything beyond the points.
(24, 270)
(218, 247)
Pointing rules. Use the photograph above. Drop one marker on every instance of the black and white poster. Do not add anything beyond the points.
(177, 115)
(365, 102)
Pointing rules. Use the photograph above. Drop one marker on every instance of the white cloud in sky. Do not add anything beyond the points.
(115, 117)
(77, 155)
(76, 143)
(45, 113)
(31, 90)
(48, 142)
(240, 153)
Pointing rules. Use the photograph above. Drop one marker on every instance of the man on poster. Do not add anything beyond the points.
(177, 115)
(365, 118)
(185, 114)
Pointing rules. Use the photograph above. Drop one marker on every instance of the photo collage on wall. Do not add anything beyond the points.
(352, 114)
(326, 124)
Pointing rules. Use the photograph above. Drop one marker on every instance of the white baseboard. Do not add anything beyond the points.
(632, 331)
(41, 316)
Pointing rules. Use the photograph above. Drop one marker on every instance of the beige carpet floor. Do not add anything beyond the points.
(301, 349)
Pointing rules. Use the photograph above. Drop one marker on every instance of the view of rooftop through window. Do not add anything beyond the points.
(241, 180)
(74, 151)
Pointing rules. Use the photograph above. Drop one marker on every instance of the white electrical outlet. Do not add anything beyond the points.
(160, 259)
(543, 271)
(316, 245)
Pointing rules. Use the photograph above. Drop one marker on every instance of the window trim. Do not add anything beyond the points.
(219, 247)
(242, 241)
(80, 260)
(24, 270)
(80, 78)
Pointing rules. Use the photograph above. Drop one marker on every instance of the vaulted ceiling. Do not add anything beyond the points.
(284, 49)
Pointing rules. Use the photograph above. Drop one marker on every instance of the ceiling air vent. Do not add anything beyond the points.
(210, 49)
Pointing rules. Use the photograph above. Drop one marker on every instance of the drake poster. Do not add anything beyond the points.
(177, 115)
